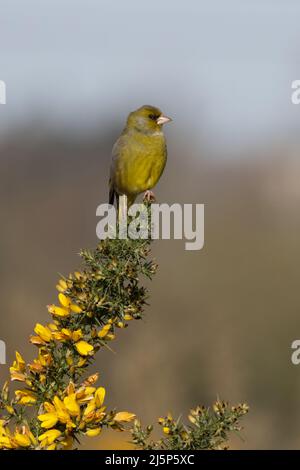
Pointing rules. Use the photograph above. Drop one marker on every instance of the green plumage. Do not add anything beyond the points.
(139, 156)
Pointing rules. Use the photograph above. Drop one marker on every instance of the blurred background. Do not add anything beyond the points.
(221, 320)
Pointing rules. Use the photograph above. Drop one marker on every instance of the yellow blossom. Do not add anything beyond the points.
(18, 364)
(128, 317)
(49, 407)
(81, 362)
(75, 308)
(43, 332)
(48, 437)
(61, 410)
(84, 348)
(93, 432)
(45, 358)
(85, 394)
(17, 376)
(99, 396)
(5, 442)
(104, 331)
(10, 409)
(70, 388)
(124, 416)
(25, 397)
(48, 420)
(37, 340)
(51, 447)
(89, 411)
(62, 285)
(91, 379)
(72, 405)
(166, 430)
(64, 300)
(22, 439)
(58, 311)
(110, 336)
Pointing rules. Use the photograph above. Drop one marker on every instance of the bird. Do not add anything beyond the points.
(138, 157)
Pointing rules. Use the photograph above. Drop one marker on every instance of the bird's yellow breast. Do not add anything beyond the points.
(138, 163)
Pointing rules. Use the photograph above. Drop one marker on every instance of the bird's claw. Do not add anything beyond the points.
(149, 196)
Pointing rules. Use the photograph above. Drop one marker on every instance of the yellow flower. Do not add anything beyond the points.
(110, 336)
(85, 394)
(81, 362)
(17, 369)
(104, 331)
(89, 411)
(25, 397)
(99, 396)
(128, 317)
(76, 335)
(51, 447)
(49, 407)
(22, 439)
(75, 308)
(43, 332)
(72, 405)
(48, 437)
(45, 357)
(91, 379)
(166, 430)
(124, 416)
(37, 340)
(64, 300)
(73, 335)
(10, 409)
(18, 364)
(5, 442)
(66, 307)
(17, 376)
(93, 432)
(61, 410)
(84, 348)
(62, 285)
(48, 420)
(58, 311)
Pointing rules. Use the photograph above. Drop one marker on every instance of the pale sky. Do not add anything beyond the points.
(222, 69)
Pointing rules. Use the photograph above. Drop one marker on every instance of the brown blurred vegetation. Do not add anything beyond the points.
(220, 321)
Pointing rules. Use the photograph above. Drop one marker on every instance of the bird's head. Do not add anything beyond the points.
(147, 119)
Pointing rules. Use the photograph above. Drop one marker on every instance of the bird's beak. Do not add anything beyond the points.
(163, 120)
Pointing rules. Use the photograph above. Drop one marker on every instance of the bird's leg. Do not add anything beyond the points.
(122, 214)
(149, 196)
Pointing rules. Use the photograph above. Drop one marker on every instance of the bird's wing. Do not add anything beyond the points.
(115, 154)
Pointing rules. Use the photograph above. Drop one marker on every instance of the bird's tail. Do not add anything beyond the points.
(111, 198)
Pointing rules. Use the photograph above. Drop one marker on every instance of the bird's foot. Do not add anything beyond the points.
(149, 196)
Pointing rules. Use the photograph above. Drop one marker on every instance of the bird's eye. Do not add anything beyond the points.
(152, 116)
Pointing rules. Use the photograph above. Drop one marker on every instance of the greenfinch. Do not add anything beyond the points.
(139, 156)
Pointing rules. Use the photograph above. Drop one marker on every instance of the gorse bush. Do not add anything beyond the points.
(57, 402)
(208, 429)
